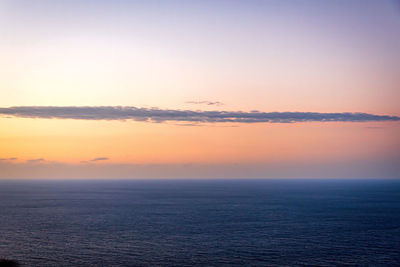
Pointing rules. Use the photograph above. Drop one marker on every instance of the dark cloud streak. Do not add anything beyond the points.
(99, 159)
(186, 116)
(8, 159)
(35, 160)
(209, 103)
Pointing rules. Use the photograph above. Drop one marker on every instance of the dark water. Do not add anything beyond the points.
(212, 222)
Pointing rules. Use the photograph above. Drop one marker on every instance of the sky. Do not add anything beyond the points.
(199, 89)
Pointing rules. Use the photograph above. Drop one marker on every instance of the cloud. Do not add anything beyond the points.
(184, 116)
(375, 127)
(4, 159)
(209, 103)
(94, 160)
(99, 159)
(35, 160)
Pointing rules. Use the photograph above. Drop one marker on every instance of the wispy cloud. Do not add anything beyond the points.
(95, 160)
(375, 127)
(35, 160)
(99, 159)
(187, 116)
(208, 103)
(6, 159)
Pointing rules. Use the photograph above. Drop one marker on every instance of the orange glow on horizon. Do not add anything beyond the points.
(74, 141)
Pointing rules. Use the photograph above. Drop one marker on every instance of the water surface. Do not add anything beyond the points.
(201, 222)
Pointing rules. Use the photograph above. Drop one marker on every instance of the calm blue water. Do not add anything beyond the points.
(211, 222)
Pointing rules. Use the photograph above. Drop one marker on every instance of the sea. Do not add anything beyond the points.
(242, 222)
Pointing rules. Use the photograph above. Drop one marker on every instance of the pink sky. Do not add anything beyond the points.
(224, 56)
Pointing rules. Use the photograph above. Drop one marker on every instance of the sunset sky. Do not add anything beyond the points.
(121, 89)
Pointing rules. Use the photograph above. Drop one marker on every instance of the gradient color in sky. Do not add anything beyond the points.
(198, 56)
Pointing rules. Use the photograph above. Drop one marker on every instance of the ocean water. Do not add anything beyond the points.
(201, 222)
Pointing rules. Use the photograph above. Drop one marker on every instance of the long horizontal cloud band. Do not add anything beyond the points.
(162, 115)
